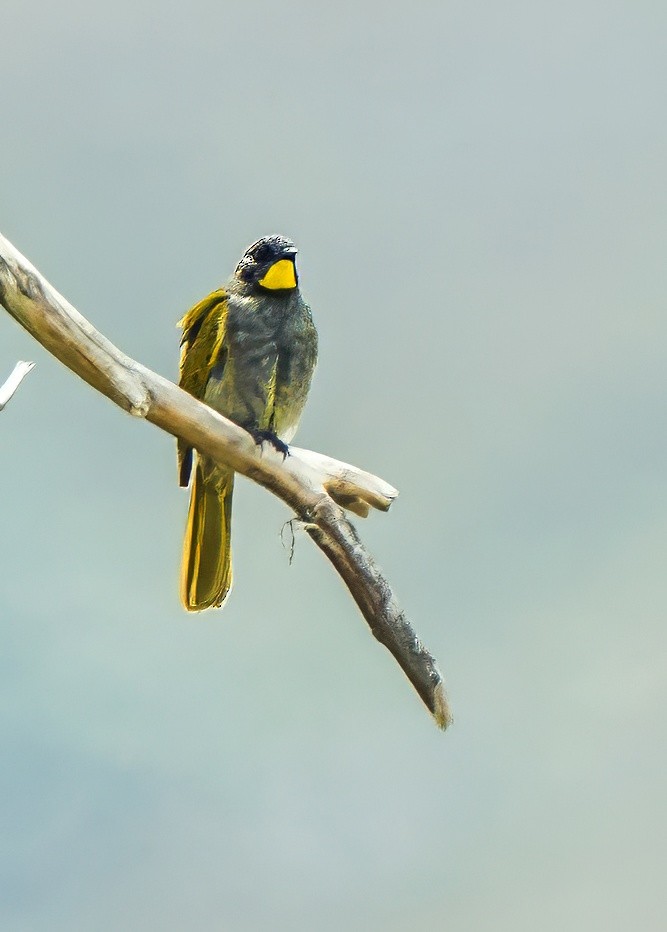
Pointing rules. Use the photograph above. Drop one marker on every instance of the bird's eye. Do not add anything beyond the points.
(263, 252)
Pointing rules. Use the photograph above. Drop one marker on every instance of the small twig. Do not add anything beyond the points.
(313, 485)
(21, 369)
(290, 525)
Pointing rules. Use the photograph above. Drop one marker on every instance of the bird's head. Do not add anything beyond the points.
(269, 263)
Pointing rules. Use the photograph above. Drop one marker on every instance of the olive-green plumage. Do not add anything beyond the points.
(248, 350)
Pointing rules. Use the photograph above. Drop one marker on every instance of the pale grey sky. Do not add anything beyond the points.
(478, 195)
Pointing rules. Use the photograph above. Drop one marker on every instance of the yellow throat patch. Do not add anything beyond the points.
(281, 275)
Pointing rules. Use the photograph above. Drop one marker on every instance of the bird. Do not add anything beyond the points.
(248, 350)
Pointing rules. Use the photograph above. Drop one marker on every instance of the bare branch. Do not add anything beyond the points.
(313, 485)
(19, 372)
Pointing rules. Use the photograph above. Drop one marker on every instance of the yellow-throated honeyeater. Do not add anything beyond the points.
(248, 350)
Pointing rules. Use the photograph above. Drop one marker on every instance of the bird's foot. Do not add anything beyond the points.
(267, 436)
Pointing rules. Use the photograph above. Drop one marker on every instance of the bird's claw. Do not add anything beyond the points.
(267, 436)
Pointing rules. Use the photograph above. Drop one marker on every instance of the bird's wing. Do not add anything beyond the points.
(202, 348)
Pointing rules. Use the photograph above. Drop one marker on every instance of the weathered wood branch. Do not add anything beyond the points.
(314, 486)
(16, 376)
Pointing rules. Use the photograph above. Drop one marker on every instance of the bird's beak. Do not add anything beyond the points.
(280, 276)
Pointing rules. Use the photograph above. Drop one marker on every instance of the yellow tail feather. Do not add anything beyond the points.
(206, 570)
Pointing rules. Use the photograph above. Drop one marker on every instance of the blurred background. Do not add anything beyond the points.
(478, 195)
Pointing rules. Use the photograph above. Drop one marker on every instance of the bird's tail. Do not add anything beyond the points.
(206, 570)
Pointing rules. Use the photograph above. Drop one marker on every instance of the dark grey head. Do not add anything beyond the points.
(269, 263)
